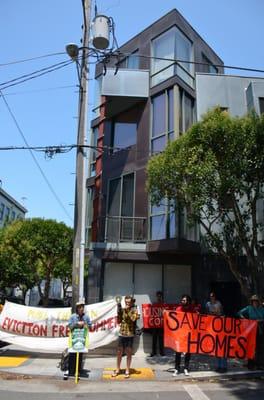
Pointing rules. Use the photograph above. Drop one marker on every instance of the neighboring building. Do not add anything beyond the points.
(236, 94)
(133, 246)
(10, 209)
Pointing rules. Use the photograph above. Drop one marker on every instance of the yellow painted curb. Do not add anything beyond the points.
(12, 361)
(139, 373)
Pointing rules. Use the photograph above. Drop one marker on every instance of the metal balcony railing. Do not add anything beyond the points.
(126, 229)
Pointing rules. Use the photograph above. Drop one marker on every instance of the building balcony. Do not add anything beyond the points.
(126, 229)
(124, 89)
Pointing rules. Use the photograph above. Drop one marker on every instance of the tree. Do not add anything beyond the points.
(216, 172)
(33, 250)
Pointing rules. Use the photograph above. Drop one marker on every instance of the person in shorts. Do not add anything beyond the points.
(126, 317)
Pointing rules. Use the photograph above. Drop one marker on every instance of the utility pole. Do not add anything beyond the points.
(81, 167)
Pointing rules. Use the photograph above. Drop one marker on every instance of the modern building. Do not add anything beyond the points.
(10, 209)
(144, 100)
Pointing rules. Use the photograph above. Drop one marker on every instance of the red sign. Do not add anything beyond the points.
(208, 334)
(153, 314)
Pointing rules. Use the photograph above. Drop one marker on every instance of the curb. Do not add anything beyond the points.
(12, 375)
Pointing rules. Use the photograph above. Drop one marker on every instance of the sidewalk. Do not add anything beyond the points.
(19, 361)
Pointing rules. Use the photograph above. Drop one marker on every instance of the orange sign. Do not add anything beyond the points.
(208, 334)
(153, 314)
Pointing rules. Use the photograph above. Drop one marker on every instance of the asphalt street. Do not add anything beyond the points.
(23, 389)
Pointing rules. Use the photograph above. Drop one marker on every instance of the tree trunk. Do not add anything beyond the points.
(242, 280)
(46, 291)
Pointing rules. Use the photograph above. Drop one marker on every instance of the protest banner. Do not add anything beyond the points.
(46, 328)
(152, 314)
(211, 335)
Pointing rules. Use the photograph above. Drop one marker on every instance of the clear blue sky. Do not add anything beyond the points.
(46, 108)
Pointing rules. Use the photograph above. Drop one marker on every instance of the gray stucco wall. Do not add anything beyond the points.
(233, 92)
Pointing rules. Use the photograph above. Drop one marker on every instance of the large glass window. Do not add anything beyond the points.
(172, 45)
(120, 224)
(124, 135)
(163, 221)
(186, 111)
(121, 196)
(208, 66)
(130, 62)
(93, 151)
(162, 120)
(97, 96)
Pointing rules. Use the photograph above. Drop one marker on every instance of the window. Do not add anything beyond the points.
(163, 221)
(93, 152)
(124, 135)
(162, 120)
(120, 222)
(7, 214)
(2, 210)
(130, 62)
(208, 66)
(13, 215)
(186, 111)
(121, 196)
(168, 47)
(89, 215)
(97, 96)
(261, 105)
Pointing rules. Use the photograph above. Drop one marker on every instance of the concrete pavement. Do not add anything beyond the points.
(98, 367)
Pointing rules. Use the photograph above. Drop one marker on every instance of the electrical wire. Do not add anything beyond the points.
(174, 61)
(31, 59)
(34, 158)
(34, 75)
(41, 90)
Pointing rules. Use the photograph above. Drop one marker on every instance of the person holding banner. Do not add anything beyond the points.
(214, 307)
(78, 320)
(126, 317)
(255, 311)
(185, 306)
(157, 333)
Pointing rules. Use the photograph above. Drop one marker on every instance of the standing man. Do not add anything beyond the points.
(157, 333)
(214, 307)
(185, 306)
(77, 320)
(126, 317)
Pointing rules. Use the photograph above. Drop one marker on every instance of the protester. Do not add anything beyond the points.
(126, 317)
(185, 306)
(214, 307)
(157, 333)
(255, 311)
(78, 320)
(197, 306)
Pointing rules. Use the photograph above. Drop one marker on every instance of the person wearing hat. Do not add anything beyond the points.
(77, 320)
(255, 311)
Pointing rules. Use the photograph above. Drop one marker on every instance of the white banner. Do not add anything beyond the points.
(45, 329)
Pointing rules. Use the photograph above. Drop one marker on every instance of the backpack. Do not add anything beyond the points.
(64, 361)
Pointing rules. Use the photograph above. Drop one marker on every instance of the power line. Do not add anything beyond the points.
(33, 75)
(41, 90)
(31, 59)
(52, 150)
(175, 61)
(34, 158)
